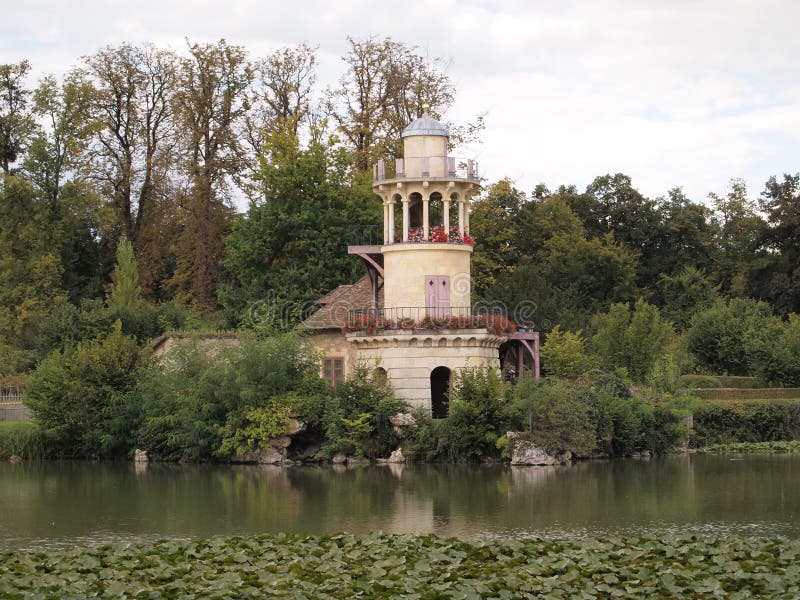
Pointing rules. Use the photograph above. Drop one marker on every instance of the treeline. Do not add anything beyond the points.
(153, 146)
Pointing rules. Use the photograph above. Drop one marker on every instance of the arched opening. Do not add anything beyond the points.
(435, 209)
(440, 392)
(415, 210)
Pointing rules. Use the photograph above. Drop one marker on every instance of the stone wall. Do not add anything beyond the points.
(409, 357)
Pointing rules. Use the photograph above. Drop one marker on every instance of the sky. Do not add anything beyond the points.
(677, 93)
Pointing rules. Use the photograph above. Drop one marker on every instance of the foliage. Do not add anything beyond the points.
(356, 417)
(631, 339)
(745, 422)
(22, 438)
(263, 424)
(126, 291)
(792, 447)
(380, 565)
(556, 414)
(78, 396)
(778, 361)
(477, 415)
(725, 337)
(564, 353)
(699, 381)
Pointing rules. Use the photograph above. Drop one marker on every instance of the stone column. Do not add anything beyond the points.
(466, 216)
(390, 229)
(446, 216)
(405, 220)
(426, 226)
(461, 217)
(386, 207)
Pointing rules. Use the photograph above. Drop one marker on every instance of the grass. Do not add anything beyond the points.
(410, 566)
(21, 438)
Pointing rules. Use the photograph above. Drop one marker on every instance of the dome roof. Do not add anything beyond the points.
(425, 125)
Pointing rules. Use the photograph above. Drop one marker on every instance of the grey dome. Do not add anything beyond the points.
(425, 125)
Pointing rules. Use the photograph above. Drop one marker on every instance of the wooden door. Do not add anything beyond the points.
(437, 295)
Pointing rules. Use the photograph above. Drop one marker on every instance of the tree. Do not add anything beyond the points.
(724, 337)
(211, 102)
(630, 338)
(291, 248)
(383, 89)
(781, 201)
(494, 226)
(564, 353)
(125, 291)
(16, 121)
(685, 294)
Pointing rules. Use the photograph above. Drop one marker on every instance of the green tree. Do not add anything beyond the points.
(125, 291)
(564, 353)
(16, 121)
(78, 396)
(290, 248)
(630, 338)
(684, 294)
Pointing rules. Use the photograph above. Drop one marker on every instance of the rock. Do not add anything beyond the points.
(140, 456)
(309, 453)
(525, 452)
(381, 461)
(352, 461)
(265, 456)
(296, 426)
(397, 457)
(280, 442)
(401, 421)
(14, 459)
(339, 459)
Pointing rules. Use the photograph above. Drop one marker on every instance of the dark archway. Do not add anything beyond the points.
(440, 392)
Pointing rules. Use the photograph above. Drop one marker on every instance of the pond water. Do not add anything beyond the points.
(67, 503)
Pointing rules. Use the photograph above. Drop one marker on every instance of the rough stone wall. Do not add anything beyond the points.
(330, 343)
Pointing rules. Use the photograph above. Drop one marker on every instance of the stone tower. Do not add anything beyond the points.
(425, 329)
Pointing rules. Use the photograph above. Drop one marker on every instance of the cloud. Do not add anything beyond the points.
(688, 93)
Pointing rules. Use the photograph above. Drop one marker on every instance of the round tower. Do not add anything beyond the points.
(427, 247)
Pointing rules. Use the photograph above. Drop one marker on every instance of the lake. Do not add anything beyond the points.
(50, 504)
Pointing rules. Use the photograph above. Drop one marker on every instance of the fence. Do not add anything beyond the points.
(11, 408)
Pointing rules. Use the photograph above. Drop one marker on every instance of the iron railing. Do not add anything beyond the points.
(457, 168)
(372, 235)
(371, 320)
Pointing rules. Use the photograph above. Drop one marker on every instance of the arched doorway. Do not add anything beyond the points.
(440, 392)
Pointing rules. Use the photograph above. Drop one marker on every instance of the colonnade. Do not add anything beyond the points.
(463, 204)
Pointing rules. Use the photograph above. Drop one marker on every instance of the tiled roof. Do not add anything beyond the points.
(336, 305)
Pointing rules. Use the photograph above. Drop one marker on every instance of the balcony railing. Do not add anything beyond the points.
(411, 318)
(448, 166)
(372, 235)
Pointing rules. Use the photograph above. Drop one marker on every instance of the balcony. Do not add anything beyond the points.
(445, 167)
(371, 236)
(428, 318)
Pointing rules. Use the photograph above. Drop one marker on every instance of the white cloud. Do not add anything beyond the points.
(689, 92)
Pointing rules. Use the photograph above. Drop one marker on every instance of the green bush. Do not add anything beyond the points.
(740, 394)
(478, 416)
(79, 396)
(747, 422)
(558, 415)
(564, 354)
(630, 338)
(22, 438)
(777, 361)
(699, 381)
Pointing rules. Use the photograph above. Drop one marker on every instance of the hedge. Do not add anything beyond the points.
(746, 422)
(738, 394)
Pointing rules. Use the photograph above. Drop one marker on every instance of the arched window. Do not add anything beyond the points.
(379, 376)
(440, 392)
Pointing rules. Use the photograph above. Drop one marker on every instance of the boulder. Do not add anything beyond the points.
(280, 442)
(14, 459)
(397, 457)
(140, 456)
(525, 452)
(264, 456)
(402, 420)
(339, 459)
(295, 426)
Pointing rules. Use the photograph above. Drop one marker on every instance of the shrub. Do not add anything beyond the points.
(632, 339)
(478, 416)
(564, 353)
(699, 381)
(558, 415)
(777, 362)
(746, 422)
(78, 396)
(22, 438)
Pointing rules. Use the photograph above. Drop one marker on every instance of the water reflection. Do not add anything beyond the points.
(62, 503)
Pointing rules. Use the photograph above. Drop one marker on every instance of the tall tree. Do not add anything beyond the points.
(16, 121)
(385, 87)
(211, 104)
(781, 201)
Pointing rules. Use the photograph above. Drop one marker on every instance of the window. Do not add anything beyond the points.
(333, 370)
